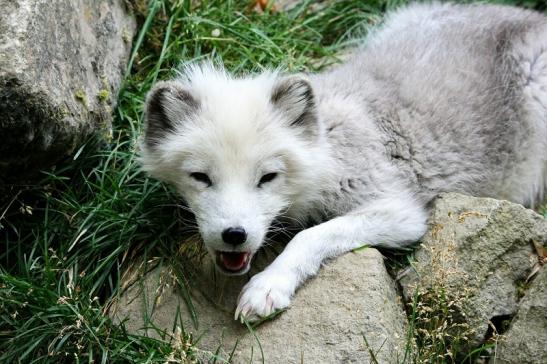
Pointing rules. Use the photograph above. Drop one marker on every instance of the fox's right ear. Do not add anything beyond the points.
(168, 103)
(293, 96)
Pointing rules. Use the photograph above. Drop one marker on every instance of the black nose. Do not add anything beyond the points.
(234, 235)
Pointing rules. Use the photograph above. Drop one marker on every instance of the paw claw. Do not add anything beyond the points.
(263, 295)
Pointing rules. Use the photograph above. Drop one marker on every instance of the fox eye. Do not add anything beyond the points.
(266, 178)
(201, 177)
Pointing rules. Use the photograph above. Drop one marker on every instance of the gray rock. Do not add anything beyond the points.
(480, 251)
(61, 64)
(351, 299)
(526, 340)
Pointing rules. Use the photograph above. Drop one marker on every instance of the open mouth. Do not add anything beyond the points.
(233, 262)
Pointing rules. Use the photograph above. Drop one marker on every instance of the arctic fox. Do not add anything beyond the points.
(440, 98)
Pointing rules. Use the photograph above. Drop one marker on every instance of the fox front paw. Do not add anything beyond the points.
(263, 295)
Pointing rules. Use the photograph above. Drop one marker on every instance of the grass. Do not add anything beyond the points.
(66, 241)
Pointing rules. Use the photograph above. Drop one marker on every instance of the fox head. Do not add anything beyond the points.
(240, 151)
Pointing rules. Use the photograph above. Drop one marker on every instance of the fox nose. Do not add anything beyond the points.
(234, 235)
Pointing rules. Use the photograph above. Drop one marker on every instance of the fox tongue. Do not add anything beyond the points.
(233, 261)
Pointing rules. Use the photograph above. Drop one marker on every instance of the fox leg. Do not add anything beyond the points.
(387, 222)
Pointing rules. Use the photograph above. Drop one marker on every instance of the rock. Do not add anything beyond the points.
(479, 252)
(525, 341)
(351, 299)
(61, 64)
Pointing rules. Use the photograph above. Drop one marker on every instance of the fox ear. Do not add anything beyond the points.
(293, 95)
(168, 103)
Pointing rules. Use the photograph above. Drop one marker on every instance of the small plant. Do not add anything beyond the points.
(438, 330)
(439, 334)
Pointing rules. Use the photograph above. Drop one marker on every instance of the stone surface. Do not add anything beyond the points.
(61, 64)
(352, 298)
(526, 340)
(480, 251)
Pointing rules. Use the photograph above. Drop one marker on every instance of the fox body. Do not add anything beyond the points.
(440, 98)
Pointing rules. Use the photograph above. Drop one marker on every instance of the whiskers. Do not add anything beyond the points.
(280, 232)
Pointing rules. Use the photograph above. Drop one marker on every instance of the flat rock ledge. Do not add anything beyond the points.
(481, 253)
(350, 310)
(61, 65)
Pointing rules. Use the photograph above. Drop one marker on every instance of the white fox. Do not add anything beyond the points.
(440, 98)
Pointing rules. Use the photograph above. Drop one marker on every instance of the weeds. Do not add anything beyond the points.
(438, 330)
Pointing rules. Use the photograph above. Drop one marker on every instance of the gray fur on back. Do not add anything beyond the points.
(440, 98)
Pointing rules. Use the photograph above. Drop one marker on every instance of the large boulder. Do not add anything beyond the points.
(61, 64)
(525, 341)
(348, 313)
(477, 256)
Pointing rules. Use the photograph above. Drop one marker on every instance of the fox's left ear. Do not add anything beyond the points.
(168, 103)
(293, 96)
